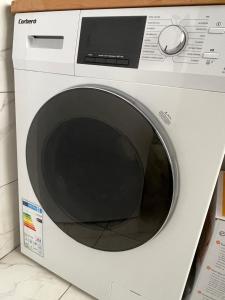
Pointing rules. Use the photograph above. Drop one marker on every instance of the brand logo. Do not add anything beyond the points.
(27, 21)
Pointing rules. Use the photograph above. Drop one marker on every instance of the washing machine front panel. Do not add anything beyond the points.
(102, 172)
(101, 272)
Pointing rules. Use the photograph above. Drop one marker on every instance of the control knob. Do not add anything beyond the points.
(172, 39)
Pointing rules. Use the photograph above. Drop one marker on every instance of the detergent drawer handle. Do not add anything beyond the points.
(46, 41)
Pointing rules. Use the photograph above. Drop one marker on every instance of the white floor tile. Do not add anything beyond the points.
(23, 279)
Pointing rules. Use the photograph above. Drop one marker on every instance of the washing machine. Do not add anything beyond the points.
(120, 135)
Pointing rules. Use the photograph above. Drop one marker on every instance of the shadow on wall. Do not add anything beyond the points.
(223, 165)
(6, 40)
(7, 20)
(9, 225)
(7, 103)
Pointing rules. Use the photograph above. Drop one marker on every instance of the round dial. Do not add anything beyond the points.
(172, 39)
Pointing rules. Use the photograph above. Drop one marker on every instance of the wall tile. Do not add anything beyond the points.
(6, 37)
(9, 225)
(6, 71)
(6, 25)
(8, 165)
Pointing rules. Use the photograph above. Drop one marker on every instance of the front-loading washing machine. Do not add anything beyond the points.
(120, 134)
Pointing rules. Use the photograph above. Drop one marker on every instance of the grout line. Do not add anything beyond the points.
(65, 291)
(10, 48)
(7, 92)
(10, 252)
(7, 183)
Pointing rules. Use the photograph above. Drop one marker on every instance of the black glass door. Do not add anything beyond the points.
(99, 169)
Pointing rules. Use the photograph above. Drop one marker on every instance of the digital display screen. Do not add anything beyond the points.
(116, 38)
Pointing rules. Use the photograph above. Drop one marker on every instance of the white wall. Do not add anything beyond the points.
(9, 229)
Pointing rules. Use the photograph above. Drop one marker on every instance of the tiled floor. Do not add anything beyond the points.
(23, 279)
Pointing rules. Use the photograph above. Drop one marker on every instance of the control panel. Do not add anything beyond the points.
(191, 43)
(173, 46)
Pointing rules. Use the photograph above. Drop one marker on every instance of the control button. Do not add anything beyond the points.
(217, 30)
(100, 60)
(111, 61)
(124, 62)
(211, 55)
(89, 59)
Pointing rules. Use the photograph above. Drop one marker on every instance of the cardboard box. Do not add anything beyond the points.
(220, 195)
(210, 282)
(210, 278)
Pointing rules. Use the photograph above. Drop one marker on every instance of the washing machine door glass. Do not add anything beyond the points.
(99, 168)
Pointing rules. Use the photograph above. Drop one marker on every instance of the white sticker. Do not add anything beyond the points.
(32, 227)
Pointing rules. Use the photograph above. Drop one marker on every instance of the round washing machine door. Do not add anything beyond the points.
(101, 166)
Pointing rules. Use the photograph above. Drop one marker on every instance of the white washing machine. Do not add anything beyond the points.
(120, 132)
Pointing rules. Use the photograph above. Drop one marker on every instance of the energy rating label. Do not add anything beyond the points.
(32, 227)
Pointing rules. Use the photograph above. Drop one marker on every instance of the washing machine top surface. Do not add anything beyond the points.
(114, 144)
